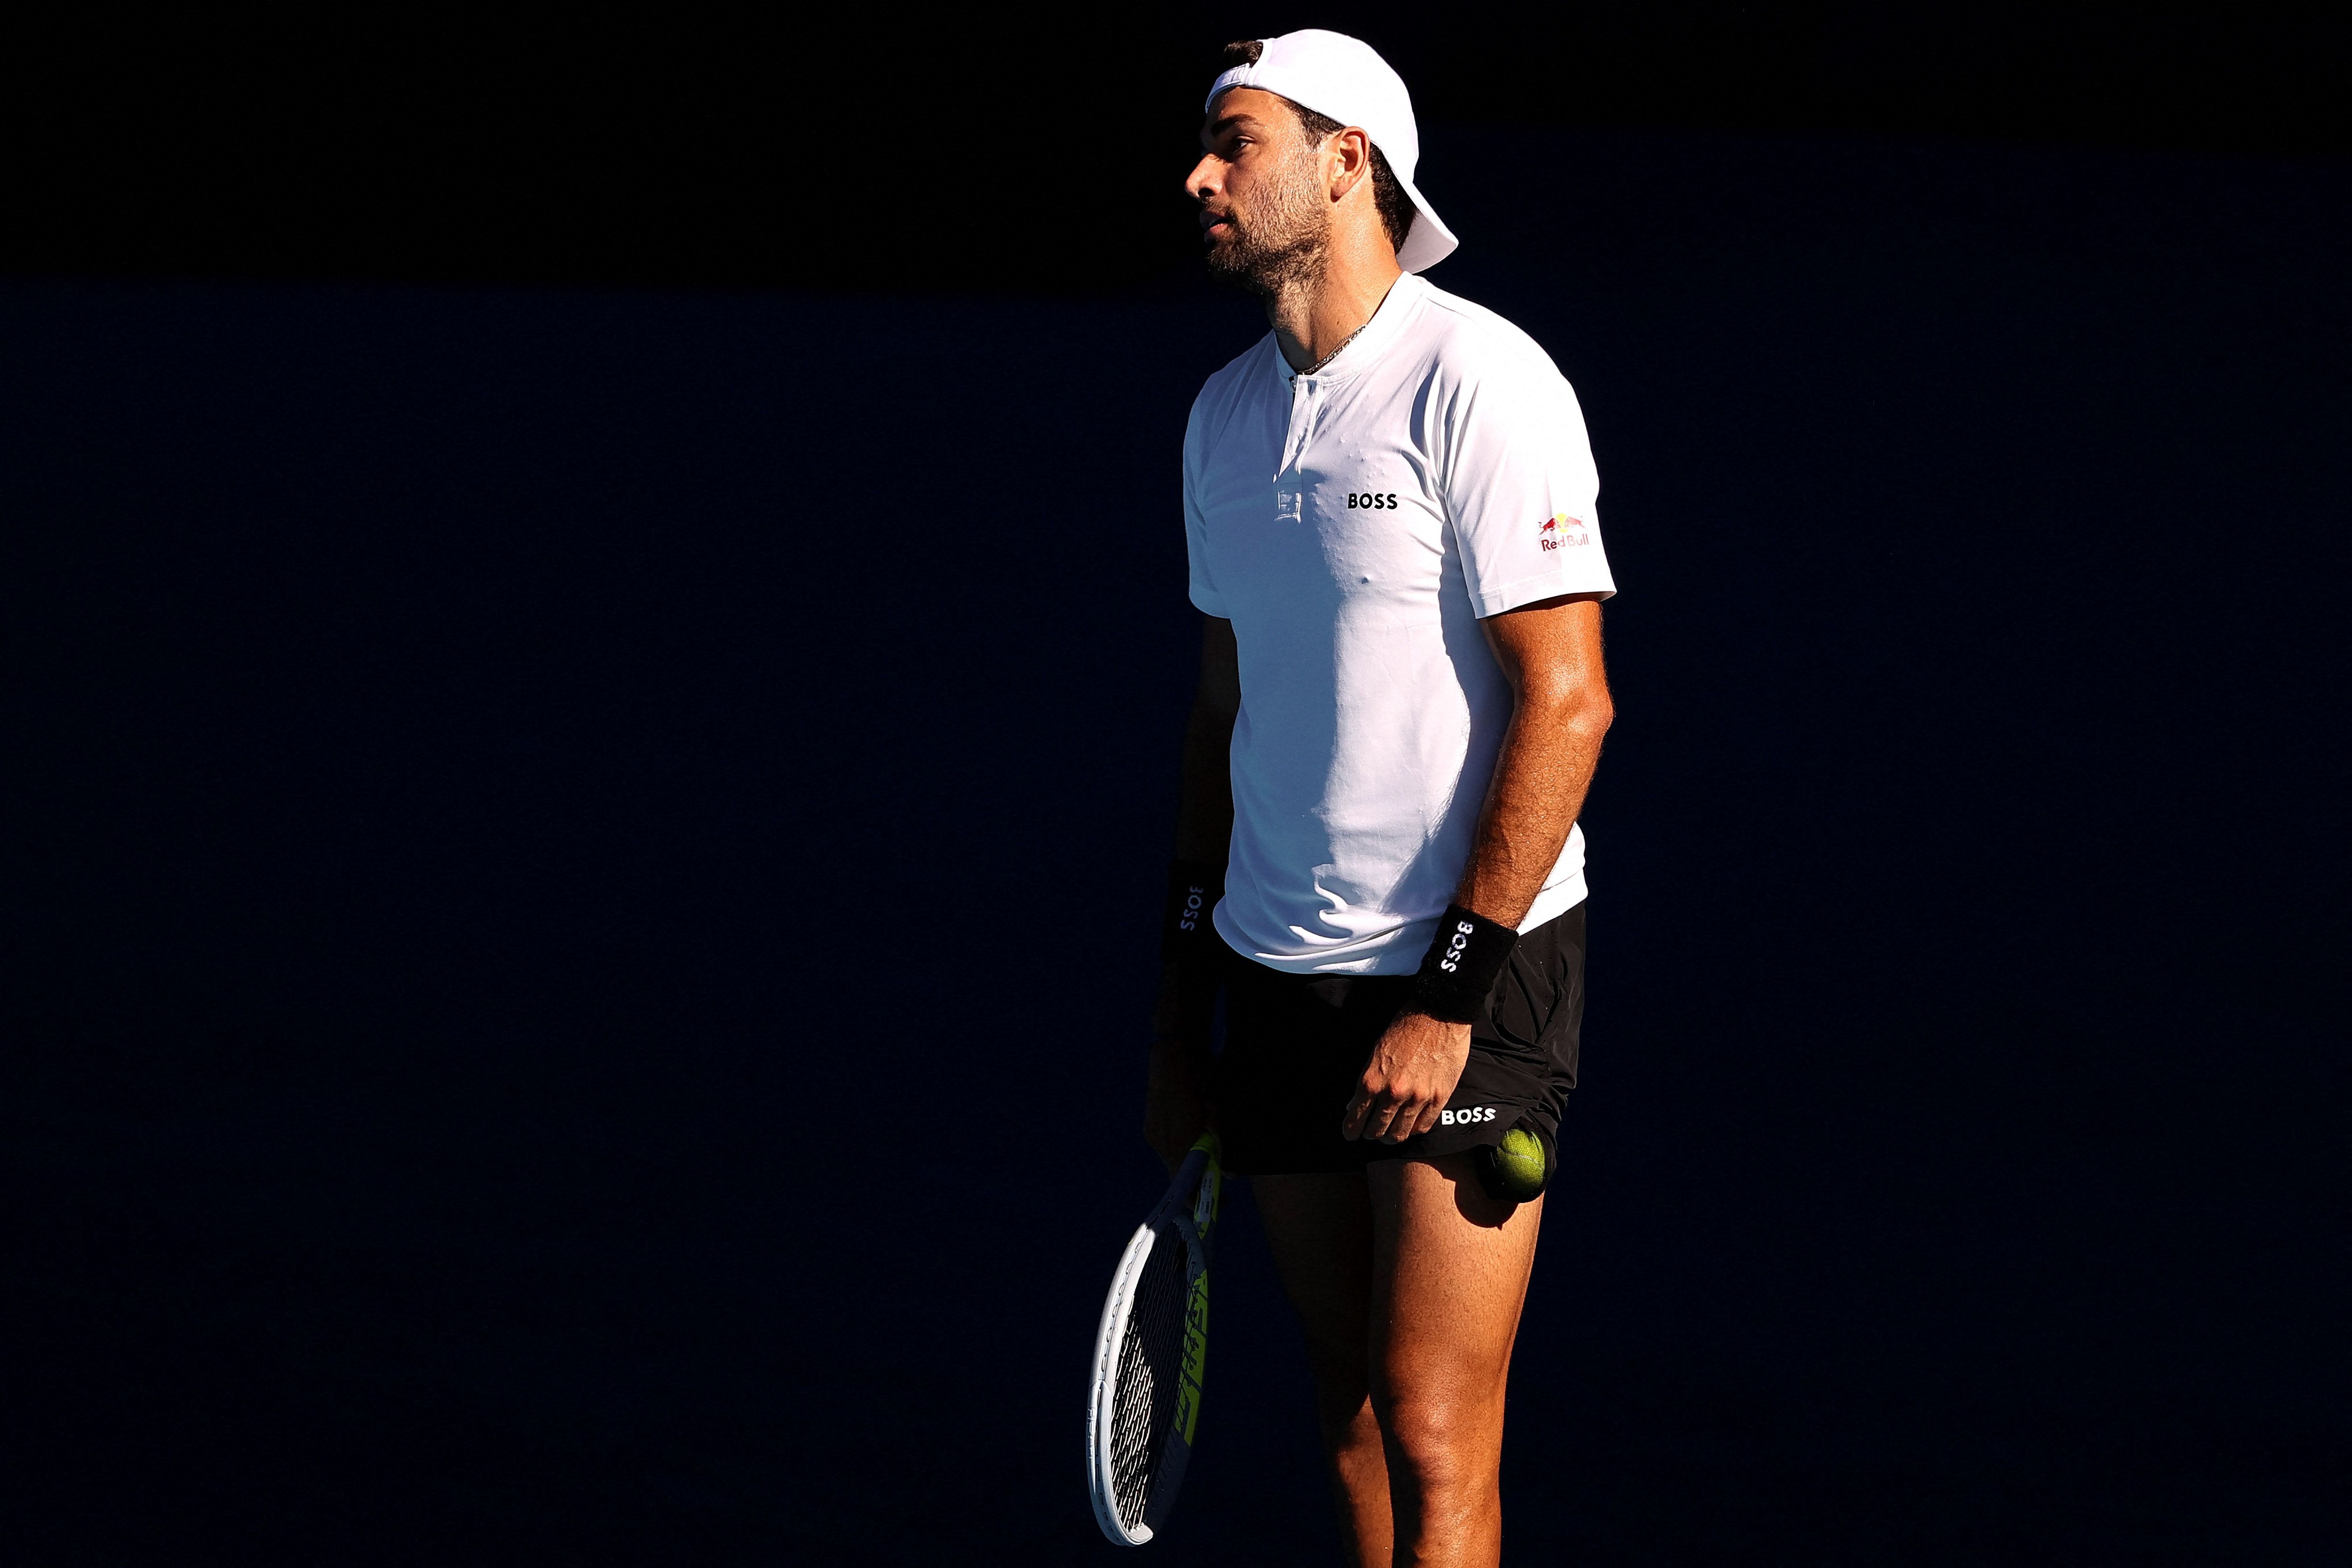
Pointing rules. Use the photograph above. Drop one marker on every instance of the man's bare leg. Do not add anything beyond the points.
(1408, 1283)
(1449, 1276)
(1320, 1229)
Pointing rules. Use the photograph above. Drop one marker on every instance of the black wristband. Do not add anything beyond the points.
(1465, 960)
(1194, 889)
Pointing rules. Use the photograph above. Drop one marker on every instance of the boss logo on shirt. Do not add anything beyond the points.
(1561, 530)
(1464, 1117)
(1370, 501)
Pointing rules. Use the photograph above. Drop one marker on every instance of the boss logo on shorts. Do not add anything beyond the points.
(1189, 919)
(1466, 1116)
(1370, 501)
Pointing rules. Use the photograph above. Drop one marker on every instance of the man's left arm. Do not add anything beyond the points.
(1550, 652)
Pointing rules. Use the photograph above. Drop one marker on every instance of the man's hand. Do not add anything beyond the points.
(1176, 1109)
(1412, 1071)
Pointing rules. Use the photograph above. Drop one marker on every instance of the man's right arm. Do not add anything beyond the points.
(1176, 1101)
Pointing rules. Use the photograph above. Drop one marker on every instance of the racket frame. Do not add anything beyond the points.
(1190, 1209)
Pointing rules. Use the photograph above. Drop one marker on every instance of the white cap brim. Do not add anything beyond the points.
(1428, 241)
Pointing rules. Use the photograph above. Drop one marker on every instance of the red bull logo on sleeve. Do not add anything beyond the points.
(1561, 530)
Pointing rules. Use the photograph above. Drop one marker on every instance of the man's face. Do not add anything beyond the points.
(1265, 215)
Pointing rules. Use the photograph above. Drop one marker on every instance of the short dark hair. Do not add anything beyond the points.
(1389, 199)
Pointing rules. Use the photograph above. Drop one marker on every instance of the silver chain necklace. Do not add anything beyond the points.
(1335, 353)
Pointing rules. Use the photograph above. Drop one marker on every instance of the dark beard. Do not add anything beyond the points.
(1267, 271)
(1284, 245)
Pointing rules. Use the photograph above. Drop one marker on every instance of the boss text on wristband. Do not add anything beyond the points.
(1194, 889)
(1465, 960)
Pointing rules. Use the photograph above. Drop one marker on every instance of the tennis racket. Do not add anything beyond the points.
(1146, 1401)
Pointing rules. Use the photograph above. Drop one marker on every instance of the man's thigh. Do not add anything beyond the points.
(1320, 1229)
(1449, 1269)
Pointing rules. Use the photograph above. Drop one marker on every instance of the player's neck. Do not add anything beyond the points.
(1312, 318)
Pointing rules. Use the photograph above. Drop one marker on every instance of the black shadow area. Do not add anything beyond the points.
(581, 867)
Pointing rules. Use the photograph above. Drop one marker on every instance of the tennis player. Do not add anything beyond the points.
(1389, 509)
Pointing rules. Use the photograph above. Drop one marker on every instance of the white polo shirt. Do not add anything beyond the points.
(1354, 525)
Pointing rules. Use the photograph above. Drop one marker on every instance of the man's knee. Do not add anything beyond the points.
(1444, 1442)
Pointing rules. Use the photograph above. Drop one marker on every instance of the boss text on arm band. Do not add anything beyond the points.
(1465, 960)
(1194, 889)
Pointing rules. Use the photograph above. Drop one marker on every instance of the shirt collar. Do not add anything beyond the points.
(1387, 322)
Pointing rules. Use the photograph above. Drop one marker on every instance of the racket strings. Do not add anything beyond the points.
(1150, 1368)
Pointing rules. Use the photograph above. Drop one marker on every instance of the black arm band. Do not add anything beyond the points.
(1194, 889)
(1466, 958)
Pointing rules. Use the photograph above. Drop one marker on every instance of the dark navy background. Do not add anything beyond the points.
(580, 870)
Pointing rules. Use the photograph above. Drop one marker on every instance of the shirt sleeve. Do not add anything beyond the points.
(1205, 597)
(1521, 489)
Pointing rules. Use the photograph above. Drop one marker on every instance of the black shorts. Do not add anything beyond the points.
(1295, 1046)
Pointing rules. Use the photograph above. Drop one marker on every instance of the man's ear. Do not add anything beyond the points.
(1351, 161)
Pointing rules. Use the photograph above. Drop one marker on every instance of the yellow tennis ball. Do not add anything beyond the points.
(1519, 1163)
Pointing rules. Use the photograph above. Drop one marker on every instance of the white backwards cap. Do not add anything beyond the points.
(1345, 79)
